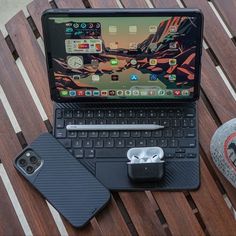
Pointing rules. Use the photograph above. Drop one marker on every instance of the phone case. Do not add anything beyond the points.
(65, 182)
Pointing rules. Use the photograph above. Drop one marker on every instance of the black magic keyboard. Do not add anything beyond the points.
(178, 138)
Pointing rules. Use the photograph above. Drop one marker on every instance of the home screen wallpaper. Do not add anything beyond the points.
(124, 57)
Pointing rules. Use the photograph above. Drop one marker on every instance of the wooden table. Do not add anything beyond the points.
(26, 111)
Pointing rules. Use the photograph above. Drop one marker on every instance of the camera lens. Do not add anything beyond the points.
(33, 159)
(30, 169)
(22, 162)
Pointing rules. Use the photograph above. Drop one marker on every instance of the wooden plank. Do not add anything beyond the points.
(35, 208)
(69, 4)
(17, 93)
(214, 212)
(36, 9)
(165, 4)
(142, 213)
(103, 4)
(217, 38)
(32, 58)
(10, 224)
(134, 4)
(227, 11)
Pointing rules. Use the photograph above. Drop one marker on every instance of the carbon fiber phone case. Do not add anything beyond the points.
(65, 182)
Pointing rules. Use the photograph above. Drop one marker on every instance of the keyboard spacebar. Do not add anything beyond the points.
(111, 153)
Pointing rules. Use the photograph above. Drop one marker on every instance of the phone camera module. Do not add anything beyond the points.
(22, 162)
(29, 169)
(33, 160)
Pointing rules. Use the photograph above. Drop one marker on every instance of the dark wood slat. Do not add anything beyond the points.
(36, 9)
(166, 3)
(227, 11)
(10, 224)
(205, 135)
(17, 93)
(33, 205)
(178, 213)
(32, 58)
(134, 4)
(141, 213)
(103, 3)
(217, 38)
(69, 4)
(213, 209)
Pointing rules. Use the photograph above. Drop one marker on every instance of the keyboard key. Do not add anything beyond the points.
(191, 155)
(99, 114)
(135, 134)
(124, 134)
(162, 142)
(169, 155)
(69, 122)
(164, 122)
(141, 114)
(175, 123)
(157, 133)
(90, 122)
(60, 133)
(60, 123)
(192, 123)
(65, 142)
(80, 122)
(121, 121)
(58, 113)
(71, 134)
(167, 133)
(114, 134)
(101, 122)
(82, 134)
(119, 143)
(89, 153)
(110, 113)
(146, 134)
(67, 113)
(172, 143)
(98, 143)
(187, 143)
(111, 121)
(189, 133)
(109, 143)
(120, 114)
(140, 142)
(151, 142)
(130, 113)
(130, 143)
(179, 155)
(189, 112)
(111, 153)
(77, 143)
(93, 134)
(88, 114)
(178, 133)
(78, 114)
(87, 143)
(103, 134)
(152, 113)
(180, 150)
(79, 153)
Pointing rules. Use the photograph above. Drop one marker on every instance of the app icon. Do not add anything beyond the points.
(112, 92)
(152, 61)
(153, 77)
(173, 29)
(112, 28)
(98, 25)
(104, 93)
(172, 45)
(152, 92)
(152, 28)
(113, 45)
(96, 92)
(88, 93)
(172, 62)
(169, 92)
(143, 92)
(177, 92)
(90, 25)
(64, 93)
(69, 30)
(133, 45)
(120, 92)
(172, 78)
(127, 92)
(133, 62)
(114, 62)
(76, 77)
(80, 92)
(75, 62)
(135, 92)
(83, 25)
(161, 92)
(76, 25)
(72, 93)
(95, 78)
(133, 29)
(114, 77)
(185, 92)
(133, 77)
(94, 63)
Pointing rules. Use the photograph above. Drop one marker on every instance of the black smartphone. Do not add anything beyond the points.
(62, 180)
